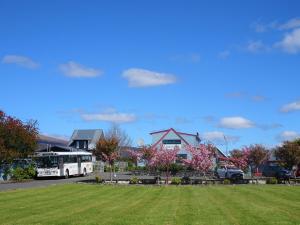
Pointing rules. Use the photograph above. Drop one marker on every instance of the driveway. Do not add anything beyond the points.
(41, 183)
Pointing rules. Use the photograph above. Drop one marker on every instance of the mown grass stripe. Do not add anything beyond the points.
(151, 205)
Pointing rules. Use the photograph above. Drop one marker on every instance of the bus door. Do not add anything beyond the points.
(79, 163)
(61, 165)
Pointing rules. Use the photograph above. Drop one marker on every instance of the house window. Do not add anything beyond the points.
(77, 144)
(84, 144)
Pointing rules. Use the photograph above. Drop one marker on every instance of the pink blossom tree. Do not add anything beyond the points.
(148, 154)
(135, 155)
(164, 157)
(201, 157)
(239, 158)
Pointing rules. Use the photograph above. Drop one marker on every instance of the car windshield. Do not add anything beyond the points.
(47, 161)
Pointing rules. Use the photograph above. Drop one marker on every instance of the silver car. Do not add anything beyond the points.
(230, 173)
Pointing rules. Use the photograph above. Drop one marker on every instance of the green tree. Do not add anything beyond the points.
(289, 153)
(258, 154)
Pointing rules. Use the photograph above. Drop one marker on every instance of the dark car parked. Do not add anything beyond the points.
(276, 171)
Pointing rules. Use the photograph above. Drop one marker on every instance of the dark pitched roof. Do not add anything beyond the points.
(93, 135)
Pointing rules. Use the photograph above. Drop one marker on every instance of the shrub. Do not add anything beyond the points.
(185, 180)
(106, 168)
(176, 181)
(226, 181)
(23, 173)
(134, 180)
(272, 180)
(98, 179)
(175, 168)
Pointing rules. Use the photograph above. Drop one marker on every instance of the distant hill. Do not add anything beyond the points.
(44, 140)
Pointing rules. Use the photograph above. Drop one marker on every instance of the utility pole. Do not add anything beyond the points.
(226, 142)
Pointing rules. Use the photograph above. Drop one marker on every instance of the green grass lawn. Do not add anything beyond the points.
(92, 204)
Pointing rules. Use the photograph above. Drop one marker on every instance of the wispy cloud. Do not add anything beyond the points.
(291, 24)
(186, 58)
(271, 126)
(288, 136)
(236, 122)
(257, 47)
(146, 78)
(110, 115)
(237, 94)
(258, 98)
(244, 95)
(290, 42)
(73, 69)
(182, 120)
(209, 119)
(20, 61)
(219, 138)
(260, 27)
(290, 107)
(224, 54)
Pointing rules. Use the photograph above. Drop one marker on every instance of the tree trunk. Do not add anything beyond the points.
(167, 181)
(111, 174)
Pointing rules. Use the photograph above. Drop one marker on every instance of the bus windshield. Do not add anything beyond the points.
(47, 161)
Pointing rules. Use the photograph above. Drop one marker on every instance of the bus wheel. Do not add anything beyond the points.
(67, 174)
(84, 172)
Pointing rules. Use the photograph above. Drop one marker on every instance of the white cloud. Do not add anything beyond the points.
(73, 69)
(146, 78)
(291, 24)
(112, 116)
(293, 106)
(20, 61)
(219, 138)
(260, 27)
(288, 136)
(291, 42)
(235, 123)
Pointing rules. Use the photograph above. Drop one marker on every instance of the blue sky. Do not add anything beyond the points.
(217, 67)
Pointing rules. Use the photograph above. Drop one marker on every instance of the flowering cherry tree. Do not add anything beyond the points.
(148, 154)
(164, 157)
(201, 157)
(135, 155)
(106, 150)
(239, 158)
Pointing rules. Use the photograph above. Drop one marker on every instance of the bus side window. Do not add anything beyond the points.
(66, 159)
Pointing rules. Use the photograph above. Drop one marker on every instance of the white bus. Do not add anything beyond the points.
(63, 164)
